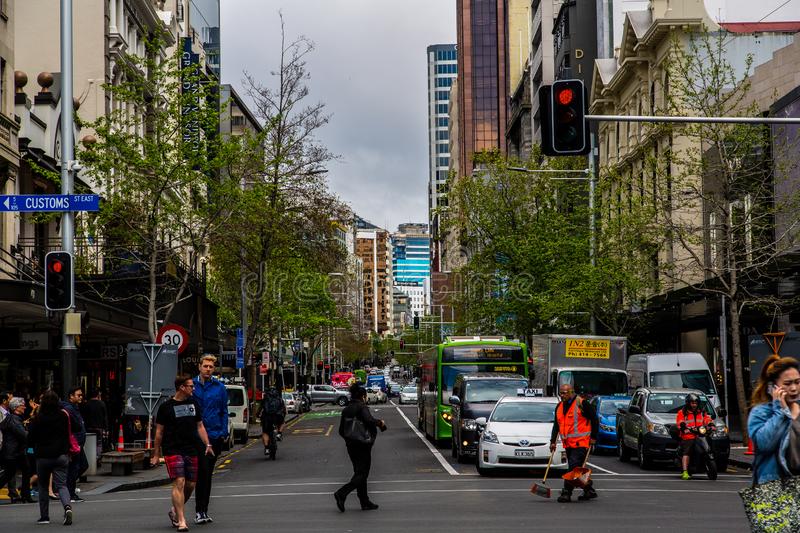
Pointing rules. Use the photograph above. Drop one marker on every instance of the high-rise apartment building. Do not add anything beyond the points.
(411, 272)
(442, 71)
(375, 251)
(482, 73)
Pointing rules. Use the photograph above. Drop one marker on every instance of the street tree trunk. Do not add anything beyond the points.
(738, 367)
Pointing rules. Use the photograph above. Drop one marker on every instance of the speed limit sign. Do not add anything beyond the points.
(174, 335)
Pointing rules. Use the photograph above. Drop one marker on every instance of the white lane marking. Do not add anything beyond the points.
(415, 491)
(450, 470)
(602, 469)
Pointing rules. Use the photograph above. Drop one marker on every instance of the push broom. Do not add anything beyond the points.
(543, 490)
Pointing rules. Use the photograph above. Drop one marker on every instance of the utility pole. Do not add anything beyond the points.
(69, 353)
(592, 221)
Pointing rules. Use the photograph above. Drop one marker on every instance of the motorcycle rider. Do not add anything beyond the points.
(689, 417)
(273, 414)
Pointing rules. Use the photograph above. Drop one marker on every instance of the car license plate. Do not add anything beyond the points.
(524, 453)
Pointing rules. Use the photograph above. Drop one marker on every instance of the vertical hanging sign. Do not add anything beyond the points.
(190, 85)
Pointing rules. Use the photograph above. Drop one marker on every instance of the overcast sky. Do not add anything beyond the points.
(369, 69)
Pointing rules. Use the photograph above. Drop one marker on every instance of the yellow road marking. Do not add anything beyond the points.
(296, 420)
(305, 431)
(328, 433)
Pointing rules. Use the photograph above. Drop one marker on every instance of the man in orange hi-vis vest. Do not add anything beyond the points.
(577, 423)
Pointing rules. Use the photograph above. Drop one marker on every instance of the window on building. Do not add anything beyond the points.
(237, 120)
(443, 95)
(444, 82)
(442, 135)
(442, 122)
(442, 109)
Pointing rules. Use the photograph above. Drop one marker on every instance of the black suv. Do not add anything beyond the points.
(474, 396)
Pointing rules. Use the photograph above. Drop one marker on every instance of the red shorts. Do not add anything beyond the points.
(184, 466)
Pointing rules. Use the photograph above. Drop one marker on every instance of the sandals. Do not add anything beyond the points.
(173, 518)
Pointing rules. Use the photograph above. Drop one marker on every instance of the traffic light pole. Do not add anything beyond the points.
(69, 354)
(592, 221)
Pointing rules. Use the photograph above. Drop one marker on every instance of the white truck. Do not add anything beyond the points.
(593, 365)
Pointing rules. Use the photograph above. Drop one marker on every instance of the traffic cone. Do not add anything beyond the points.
(749, 447)
(121, 440)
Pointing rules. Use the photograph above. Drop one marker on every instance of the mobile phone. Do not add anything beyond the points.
(770, 388)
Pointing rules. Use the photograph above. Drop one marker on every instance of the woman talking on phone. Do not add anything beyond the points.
(773, 424)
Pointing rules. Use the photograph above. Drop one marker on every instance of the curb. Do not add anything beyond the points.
(740, 463)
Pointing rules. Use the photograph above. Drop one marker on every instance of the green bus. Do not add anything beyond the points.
(440, 365)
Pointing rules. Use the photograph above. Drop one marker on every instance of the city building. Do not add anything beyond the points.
(542, 59)
(411, 272)
(9, 128)
(483, 78)
(401, 310)
(575, 41)
(442, 71)
(637, 82)
(518, 132)
(374, 248)
(235, 117)
(106, 34)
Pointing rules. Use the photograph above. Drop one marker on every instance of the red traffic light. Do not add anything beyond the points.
(565, 96)
(56, 266)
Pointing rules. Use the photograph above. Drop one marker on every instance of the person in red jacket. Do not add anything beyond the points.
(691, 416)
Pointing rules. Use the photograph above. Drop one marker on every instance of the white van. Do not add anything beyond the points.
(681, 370)
(238, 411)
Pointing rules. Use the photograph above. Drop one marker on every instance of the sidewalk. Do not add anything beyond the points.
(738, 457)
(103, 482)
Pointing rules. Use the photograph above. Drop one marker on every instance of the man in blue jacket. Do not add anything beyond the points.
(212, 396)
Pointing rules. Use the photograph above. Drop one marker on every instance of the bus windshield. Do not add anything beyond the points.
(483, 354)
(688, 379)
(491, 390)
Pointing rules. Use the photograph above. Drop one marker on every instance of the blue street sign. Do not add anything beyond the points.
(240, 357)
(38, 203)
(239, 348)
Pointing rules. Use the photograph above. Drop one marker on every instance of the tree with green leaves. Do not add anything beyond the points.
(281, 245)
(527, 236)
(156, 162)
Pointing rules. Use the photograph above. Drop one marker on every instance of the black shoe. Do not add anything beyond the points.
(339, 501)
(588, 494)
(43, 521)
(76, 499)
(266, 450)
(369, 506)
(565, 497)
(68, 516)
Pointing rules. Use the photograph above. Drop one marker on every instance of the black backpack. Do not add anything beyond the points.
(273, 405)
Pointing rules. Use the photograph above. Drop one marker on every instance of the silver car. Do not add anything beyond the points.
(408, 394)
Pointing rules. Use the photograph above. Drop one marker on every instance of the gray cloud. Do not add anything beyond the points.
(369, 67)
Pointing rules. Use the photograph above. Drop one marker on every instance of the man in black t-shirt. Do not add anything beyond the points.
(179, 428)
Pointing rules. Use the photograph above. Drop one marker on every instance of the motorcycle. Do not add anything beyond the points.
(702, 454)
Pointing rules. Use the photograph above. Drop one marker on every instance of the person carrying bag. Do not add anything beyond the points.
(358, 428)
(772, 502)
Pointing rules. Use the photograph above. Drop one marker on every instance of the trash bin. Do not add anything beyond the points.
(90, 449)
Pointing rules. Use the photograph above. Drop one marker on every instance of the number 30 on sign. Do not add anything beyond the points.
(173, 334)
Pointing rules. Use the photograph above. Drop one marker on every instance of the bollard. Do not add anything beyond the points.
(90, 449)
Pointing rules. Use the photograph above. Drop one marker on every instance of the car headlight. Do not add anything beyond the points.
(658, 429)
(447, 417)
(489, 436)
(469, 424)
(610, 429)
(720, 431)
